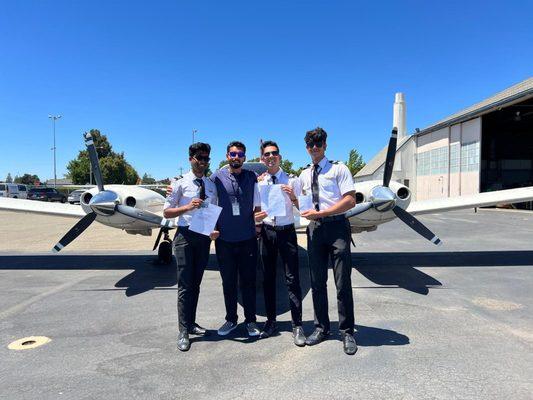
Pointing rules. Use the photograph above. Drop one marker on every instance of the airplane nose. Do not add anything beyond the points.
(383, 198)
(104, 202)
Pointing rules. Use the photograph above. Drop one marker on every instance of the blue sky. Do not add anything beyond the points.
(147, 73)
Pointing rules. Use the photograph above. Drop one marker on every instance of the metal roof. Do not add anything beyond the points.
(519, 92)
(379, 159)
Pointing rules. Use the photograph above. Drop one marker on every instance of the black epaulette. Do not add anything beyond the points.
(335, 162)
(308, 166)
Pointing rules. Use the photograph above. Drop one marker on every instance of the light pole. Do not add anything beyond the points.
(193, 132)
(54, 118)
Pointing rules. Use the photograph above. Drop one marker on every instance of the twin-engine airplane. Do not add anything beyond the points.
(138, 210)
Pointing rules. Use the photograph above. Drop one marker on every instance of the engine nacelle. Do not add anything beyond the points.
(369, 219)
(132, 196)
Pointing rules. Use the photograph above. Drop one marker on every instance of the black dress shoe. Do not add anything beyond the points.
(269, 329)
(183, 341)
(299, 336)
(198, 330)
(348, 344)
(316, 337)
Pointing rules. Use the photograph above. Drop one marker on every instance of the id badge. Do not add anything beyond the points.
(236, 208)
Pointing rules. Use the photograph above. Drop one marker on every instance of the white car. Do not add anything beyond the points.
(13, 190)
(74, 197)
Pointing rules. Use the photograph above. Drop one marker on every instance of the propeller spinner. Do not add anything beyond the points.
(383, 199)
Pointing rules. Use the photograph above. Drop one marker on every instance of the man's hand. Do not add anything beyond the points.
(287, 189)
(195, 203)
(169, 190)
(214, 235)
(260, 215)
(311, 214)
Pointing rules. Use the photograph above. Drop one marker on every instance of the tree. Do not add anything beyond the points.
(355, 162)
(147, 179)
(27, 179)
(114, 167)
(9, 179)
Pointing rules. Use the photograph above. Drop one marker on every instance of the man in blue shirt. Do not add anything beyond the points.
(236, 246)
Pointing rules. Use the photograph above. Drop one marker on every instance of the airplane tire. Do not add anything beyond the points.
(164, 252)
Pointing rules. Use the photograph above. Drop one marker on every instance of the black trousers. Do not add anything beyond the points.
(284, 242)
(238, 262)
(327, 240)
(192, 254)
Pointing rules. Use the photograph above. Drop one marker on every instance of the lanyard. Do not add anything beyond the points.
(236, 189)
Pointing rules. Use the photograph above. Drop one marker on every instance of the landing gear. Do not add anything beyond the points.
(164, 251)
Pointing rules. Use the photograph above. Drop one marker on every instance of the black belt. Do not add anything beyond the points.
(279, 227)
(332, 218)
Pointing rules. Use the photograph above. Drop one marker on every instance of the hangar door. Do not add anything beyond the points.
(507, 148)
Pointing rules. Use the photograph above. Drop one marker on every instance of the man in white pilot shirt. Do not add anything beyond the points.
(190, 248)
(328, 236)
(279, 235)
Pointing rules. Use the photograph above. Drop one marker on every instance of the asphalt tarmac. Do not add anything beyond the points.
(449, 322)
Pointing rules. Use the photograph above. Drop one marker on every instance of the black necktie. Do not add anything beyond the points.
(274, 179)
(200, 182)
(314, 186)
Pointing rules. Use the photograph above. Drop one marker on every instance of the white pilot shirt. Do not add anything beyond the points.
(184, 190)
(334, 181)
(283, 179)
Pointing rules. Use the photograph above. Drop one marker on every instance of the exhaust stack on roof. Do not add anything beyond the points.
(398, 119)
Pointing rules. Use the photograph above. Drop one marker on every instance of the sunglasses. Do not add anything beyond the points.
(202, 158)
(240, 154)
(274, 153)
(318, 143)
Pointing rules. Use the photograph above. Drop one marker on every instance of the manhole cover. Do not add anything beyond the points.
(27, 343)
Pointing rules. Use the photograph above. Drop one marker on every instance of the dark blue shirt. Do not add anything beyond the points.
(243, 189)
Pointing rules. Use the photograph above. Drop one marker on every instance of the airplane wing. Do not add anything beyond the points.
(33, 206)
(508, 196)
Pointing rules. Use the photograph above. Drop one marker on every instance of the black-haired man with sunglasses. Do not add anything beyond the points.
(236, 247)
(278, 235)
(330, 184)
(190, 248)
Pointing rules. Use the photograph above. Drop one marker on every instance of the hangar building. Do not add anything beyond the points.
(485, 147)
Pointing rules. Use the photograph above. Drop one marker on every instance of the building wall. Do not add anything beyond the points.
(448, 161)
(404, 170)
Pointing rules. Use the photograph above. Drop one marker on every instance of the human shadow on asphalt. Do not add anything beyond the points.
(386, 270)
(366, 336)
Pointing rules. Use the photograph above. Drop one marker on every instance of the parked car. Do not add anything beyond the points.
(46, 194)
(74, 197)
(13, 190)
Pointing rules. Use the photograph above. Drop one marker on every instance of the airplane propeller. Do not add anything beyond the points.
(384, 199)
(105, 203)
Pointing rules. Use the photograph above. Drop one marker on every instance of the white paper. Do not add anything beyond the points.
(305, 202)
(273, 200)
(204, 219)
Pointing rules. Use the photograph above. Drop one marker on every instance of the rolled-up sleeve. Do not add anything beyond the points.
(345, 180)
(173, 198)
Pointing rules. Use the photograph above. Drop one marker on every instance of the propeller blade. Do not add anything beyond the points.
(416, 225)
(358, 209)
(391, 154)
(144, 216)
(158, 238)
(93, 157)
(74, 232)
